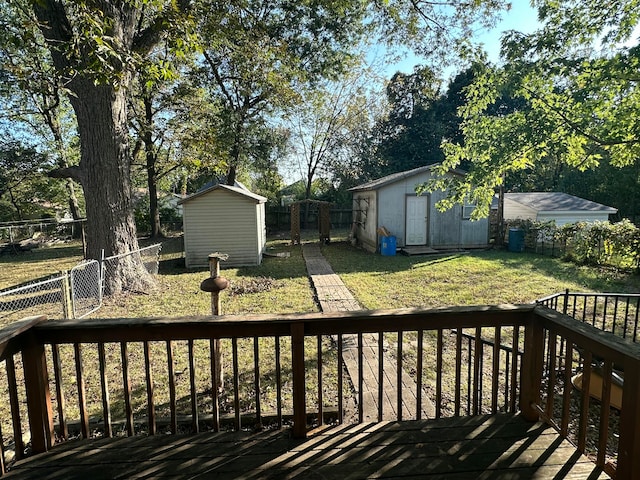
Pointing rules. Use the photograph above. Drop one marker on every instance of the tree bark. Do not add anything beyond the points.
(99, 103)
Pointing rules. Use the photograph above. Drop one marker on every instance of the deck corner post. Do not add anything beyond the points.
(298, 367)
(38, 395)
(531, 370)
(629, 442)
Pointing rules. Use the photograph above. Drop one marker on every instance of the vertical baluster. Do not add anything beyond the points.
(604, 413)
(195, 421)
(635, 322)
(584, 308)
(551, 369)
(172, 388)
(626, 318)
(595, 307)
(469, 374)
(515, 348)
(496, 370)
(584, 407)
(215, 406)
(507, 377)
(615, 314)
(256, 380)
(15, 407)
(458, 372)
(380, 376)
(82, 396)
(360, 381)
(439, 352)
(106, 410)
(604, 314)
(340, 380)
(151, 409)
(279, 381)
(566, 392)
(299, 384)
(126, 383)
(399, 376)
(57, 374)
(320, 410)
(419, 376)
(236, 384)
(477, 371)
(2, 465)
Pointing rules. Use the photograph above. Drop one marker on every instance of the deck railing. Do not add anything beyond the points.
(82, 375)
(617, 313)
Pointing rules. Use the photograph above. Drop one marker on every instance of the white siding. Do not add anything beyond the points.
(563, 218)
(222, 221)
(514, 210)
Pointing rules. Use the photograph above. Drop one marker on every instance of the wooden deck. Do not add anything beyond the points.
(495, 447)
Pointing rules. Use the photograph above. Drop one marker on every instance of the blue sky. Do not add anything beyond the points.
(522, 17)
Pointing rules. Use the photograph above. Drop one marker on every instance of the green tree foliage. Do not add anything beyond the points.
(578, 88)
(25, 191)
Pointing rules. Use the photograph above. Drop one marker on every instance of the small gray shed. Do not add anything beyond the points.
(392, 202)
(224, 219)
(559, 207)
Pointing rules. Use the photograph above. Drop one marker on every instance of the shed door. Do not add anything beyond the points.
(416, 226)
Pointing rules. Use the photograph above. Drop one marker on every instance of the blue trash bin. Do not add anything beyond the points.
(388, 245)
(516, 240)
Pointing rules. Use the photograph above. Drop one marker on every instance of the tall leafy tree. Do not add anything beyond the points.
(577, 79)
(34, 94)
(258, 54)
(95, 48)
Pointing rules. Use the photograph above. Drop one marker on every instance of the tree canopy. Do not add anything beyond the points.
(573, 88)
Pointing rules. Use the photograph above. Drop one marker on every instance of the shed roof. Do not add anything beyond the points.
(236, 190)
(396, 177)
(557, 202)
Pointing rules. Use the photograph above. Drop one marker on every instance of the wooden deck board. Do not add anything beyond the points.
(485, 447)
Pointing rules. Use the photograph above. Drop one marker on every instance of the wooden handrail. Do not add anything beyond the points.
(541, 326)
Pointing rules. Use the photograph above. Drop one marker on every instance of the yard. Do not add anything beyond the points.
(280, 285)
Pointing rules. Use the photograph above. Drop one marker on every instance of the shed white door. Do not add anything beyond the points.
(416, 226)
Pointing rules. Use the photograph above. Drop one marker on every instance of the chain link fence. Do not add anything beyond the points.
(73, 294)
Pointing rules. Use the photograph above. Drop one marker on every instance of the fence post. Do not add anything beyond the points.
(629, 443)
(67, 301)
(297, 361)
(36, 381)
(531, 370)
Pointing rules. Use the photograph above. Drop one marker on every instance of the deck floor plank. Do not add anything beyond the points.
(484, 447)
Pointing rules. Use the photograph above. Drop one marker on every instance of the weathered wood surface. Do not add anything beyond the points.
(334, 296)
(501, 446)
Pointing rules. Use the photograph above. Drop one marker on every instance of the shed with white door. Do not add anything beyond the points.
(225, 219)
(392, 202)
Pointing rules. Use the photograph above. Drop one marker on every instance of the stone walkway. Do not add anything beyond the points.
(334, 296)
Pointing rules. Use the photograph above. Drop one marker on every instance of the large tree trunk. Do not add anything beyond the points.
(104, 174)
(99, 102)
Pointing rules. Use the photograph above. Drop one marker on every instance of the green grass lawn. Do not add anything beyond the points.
(482, 277)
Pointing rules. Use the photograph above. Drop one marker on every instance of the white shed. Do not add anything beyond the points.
(413, 219)
(559, 207)
(224, 219)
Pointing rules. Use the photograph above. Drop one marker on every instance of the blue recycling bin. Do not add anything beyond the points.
(516, 240)
(388, 245)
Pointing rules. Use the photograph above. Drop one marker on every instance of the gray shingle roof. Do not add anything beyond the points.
(395, 177)
(557, 202)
